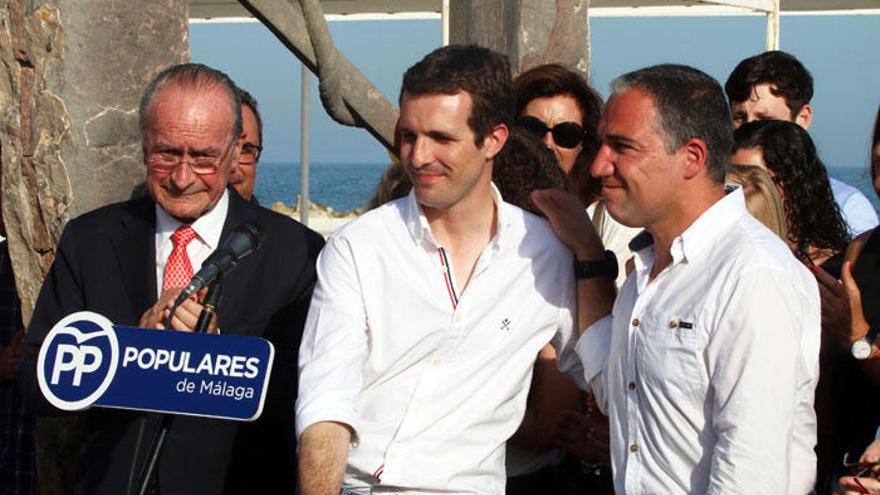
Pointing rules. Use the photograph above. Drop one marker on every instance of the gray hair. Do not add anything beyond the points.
(192, 76)
(689, 104)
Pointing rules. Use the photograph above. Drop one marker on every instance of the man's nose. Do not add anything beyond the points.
(603, 164)
(182, 175)
(421, 153)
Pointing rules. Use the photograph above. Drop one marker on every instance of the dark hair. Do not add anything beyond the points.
(550, 80)
(523, 165)
(689, 104)
(191, 76)
(874, 143)
(785, 74)
(810, 210)
(478, 71)
(249, 101)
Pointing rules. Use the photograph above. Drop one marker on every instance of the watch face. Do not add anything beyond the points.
(860, 349)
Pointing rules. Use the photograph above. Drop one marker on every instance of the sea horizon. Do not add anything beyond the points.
(349, 186)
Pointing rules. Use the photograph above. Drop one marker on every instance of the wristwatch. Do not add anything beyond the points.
(606, 267)
(861, 349)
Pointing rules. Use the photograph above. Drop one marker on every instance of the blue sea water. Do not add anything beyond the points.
(349, 186)
(339, 185)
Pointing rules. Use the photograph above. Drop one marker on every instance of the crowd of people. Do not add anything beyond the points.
(661, 293)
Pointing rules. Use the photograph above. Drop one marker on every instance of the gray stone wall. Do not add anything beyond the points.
(72, 74)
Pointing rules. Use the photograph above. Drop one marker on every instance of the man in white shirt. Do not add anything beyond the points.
(708, 362)
(430, 310)
(775, 85)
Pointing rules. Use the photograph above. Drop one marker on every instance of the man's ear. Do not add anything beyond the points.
(494, 140)
(696, 157)
(804, 117)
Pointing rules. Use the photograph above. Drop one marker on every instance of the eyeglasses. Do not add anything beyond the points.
(565, 134)
(166, 160)
(250, 153)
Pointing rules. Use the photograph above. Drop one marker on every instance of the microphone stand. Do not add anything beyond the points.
(209, 310)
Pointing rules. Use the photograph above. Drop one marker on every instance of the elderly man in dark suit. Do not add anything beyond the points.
(127, 261)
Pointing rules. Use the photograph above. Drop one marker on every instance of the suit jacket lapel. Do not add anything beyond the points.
(135, 250)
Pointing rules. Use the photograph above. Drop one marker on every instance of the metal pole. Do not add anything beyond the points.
(304, 145)
(444, 23)
(773, 28)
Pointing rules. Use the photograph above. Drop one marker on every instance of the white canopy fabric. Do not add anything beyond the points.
(215, 9)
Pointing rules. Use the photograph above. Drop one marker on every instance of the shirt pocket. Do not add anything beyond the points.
(668, 354)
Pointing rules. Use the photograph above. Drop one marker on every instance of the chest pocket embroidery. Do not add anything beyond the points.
(668, 354)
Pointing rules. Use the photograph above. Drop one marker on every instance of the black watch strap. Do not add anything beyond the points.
(606, 267)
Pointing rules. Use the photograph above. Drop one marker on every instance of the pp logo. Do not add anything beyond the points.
(78, 360)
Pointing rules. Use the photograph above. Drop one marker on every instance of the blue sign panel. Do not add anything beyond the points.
(85, 361)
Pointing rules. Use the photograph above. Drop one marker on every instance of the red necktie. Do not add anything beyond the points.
(178, 269)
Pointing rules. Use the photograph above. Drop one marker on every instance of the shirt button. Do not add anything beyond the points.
(633, 448)
(673, 323)
(393, 455)
(457, 317)
(436, 361)
(631, 386)
(635, 322)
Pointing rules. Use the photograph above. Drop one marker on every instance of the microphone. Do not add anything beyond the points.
(244, 240)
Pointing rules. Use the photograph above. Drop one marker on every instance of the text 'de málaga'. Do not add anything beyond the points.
(86, 361)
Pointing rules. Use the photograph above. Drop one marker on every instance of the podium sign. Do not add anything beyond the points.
(87, 361)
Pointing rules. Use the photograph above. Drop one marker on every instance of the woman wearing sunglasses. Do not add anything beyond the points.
(560, 108)
(562, 444)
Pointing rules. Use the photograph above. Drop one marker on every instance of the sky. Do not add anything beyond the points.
(840, 51)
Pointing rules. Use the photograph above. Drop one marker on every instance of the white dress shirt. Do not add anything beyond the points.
(208, 228)
(433, 379)
(857, 211)
(712, 366)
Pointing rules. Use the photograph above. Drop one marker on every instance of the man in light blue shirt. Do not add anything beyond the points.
(775, 85)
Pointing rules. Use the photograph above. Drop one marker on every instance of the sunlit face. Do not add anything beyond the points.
(244, 175)
(749, 156)
(555, 110)
(640, 178)
(438, 152)
(755, 156)
(762, 104)
(189, 124)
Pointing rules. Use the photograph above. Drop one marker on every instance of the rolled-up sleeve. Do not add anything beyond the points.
(593, 348)
(334, 343)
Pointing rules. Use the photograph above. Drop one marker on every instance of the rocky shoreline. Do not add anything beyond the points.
(322, 218)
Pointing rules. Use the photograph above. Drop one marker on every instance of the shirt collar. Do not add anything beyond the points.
(420, 229)
(208, 227)
(699, 234)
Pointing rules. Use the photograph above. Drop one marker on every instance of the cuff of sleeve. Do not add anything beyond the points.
(327, 409)
(593, 346)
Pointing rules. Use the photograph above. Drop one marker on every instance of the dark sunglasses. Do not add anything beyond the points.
(565, 134)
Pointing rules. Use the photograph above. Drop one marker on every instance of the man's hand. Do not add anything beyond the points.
(185, 318)
(323, 456)
(10, 356)
(570, 221)
(843, 321)
(850, 485)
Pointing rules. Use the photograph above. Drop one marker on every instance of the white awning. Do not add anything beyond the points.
(215, 9)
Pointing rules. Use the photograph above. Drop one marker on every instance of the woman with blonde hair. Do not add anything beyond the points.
(762, 197)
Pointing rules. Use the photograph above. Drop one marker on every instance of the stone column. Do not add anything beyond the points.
(530, 32)
(72, 75)
(73, 71)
